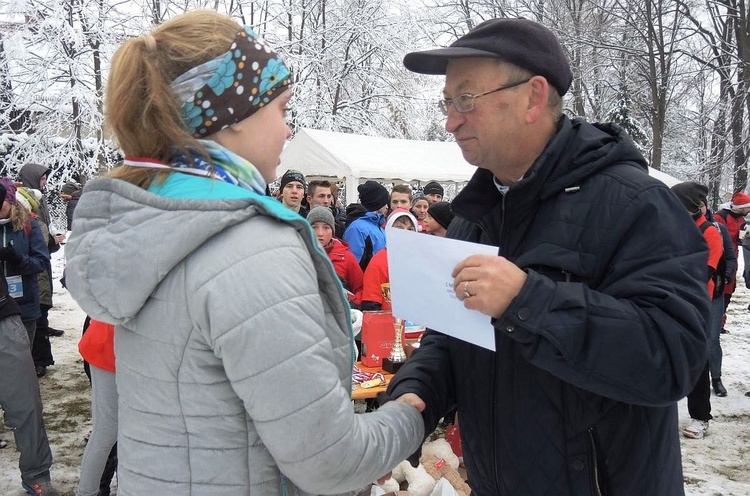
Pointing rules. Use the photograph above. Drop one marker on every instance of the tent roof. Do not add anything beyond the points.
(331, 154)
(326, 153)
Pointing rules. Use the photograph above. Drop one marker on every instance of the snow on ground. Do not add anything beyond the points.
(717, 465)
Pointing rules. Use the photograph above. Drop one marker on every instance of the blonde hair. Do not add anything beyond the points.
(18, 216)
(140, 108)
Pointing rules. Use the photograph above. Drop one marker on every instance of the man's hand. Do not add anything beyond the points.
(413, 400)
(487, 283)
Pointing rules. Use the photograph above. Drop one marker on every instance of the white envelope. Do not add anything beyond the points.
(421, 285)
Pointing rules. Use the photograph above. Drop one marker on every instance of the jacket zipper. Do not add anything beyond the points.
(485, 232)
(597, 488)
(494, 367)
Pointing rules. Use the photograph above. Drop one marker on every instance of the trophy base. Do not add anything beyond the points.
(391, 367)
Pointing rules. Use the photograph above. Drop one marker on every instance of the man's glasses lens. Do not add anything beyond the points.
(463, 103)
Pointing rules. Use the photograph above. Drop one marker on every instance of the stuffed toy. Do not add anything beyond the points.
(439, 468)
(441, 449)
(437, 461)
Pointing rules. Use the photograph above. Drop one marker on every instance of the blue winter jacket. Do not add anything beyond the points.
(370, 224)
(35, 255)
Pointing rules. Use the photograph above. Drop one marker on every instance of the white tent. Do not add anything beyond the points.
(357, 158)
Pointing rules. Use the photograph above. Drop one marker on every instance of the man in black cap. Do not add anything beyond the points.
(433, 191)
(293, 191)
(365, 235)
(597, 296)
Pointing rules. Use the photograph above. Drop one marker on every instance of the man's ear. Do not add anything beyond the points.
(537, 98)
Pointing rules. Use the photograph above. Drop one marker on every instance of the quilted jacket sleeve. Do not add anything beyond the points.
(637, 334)
(270, 334)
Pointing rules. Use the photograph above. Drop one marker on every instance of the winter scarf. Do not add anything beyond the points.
(224, 165)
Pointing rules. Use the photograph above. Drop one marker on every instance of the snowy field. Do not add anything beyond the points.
(717, 465)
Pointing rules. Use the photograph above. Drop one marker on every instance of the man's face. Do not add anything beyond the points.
(491, 134)
(292, 194)
(323, 233)
(434, 198)
(321, 196)
(400, 200)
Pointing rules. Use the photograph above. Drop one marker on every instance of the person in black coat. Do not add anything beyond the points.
(597, 295)
(71, 193)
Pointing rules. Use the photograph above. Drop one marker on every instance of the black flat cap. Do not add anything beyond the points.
(521, 42)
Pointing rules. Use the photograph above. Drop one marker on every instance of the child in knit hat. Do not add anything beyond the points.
(344, 263)
(376, 274)
(439, 217)
(365, 233)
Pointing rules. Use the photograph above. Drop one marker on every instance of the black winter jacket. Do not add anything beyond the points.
(605, 336)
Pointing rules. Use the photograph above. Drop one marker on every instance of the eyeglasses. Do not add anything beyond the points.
(465, 101)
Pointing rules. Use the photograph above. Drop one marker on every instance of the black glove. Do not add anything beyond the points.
(8, 254)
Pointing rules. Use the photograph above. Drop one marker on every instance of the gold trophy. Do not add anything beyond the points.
(398, 356)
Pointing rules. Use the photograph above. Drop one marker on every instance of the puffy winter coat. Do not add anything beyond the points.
(29, 243)
(376, 275)
(370, 225)
(605, 336)
(347, 268)
(734, 223)
(97, 345)
(233, 342)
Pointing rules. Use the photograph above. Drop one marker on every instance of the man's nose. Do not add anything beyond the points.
(454, 119)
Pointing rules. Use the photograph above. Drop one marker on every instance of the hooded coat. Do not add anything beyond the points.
(605, 336)
(347, 268)
(30, 176)
(368, 226)
(233, 344)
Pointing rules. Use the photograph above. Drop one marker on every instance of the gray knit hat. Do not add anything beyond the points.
(321, 214)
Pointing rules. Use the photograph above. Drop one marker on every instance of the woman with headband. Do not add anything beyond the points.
(233, 340)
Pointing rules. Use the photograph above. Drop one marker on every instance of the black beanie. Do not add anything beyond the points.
(521, 42)
(432, 188)
(442, 213)
(293, 175)
(691, 194)
(372, 195)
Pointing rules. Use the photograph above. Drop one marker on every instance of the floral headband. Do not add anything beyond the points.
(231, 87)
